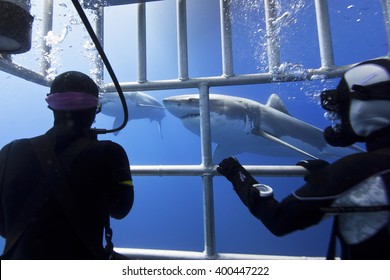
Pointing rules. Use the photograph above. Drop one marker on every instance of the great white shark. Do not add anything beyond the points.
(243, 125)
(140, 106)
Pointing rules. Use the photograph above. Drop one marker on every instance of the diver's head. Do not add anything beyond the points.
(360, 104)
(74, 99)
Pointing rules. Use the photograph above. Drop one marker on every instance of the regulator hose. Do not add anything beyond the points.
(106, 62)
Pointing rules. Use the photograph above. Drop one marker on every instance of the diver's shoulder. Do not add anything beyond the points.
(18, 142)
(111, 145)
(366, 159)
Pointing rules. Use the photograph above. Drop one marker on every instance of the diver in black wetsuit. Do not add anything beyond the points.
(355, 189)
(40, 220)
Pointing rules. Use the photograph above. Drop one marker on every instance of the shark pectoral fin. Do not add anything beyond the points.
(159, 126)
(117, 122)
(281, 142)
(159, 129)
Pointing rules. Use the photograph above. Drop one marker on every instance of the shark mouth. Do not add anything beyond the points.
(190, 116)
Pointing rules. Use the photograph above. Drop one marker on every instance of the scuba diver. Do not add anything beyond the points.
(58, 190)
(355, 190)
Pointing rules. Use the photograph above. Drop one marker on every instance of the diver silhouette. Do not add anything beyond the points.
(355, 190)
(58, 190)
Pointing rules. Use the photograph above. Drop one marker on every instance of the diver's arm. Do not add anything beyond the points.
(289, 215)
(121, 195)
(280, 218)
(3, 158)
(242, 181)
(121, 199)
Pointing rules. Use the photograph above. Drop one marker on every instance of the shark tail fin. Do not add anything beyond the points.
(117, 122)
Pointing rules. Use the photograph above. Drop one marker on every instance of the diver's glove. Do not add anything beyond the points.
(235, 172)
(247, 188)
(313, 166)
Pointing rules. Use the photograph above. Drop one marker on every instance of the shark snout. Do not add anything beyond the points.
(174, 107)
(182, 106)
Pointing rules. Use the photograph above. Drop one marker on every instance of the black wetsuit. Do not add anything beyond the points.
(330, 188)
(94, 180)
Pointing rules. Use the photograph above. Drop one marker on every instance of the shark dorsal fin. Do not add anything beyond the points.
(275, 102)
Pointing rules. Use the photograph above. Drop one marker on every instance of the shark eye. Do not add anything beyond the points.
(193, 101)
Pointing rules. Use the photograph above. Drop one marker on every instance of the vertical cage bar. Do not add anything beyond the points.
(141, 43)
(205, 130)
(208, 216)
(273, 41)
(324, 33)
(182, 40)
(47, 25)
(207, 180)
(99, 27)
(226, 38)
(386, 17)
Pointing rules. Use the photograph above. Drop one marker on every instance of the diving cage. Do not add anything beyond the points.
(206, 170)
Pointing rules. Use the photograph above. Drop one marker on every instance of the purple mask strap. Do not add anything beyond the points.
(70, 101)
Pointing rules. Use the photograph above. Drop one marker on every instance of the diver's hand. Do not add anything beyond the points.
(242, 181)
(235, 172)
(313, 166)
(229, 168)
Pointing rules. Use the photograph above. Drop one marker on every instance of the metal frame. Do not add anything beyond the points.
(206, 169)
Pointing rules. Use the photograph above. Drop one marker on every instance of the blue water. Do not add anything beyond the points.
(167, 213)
